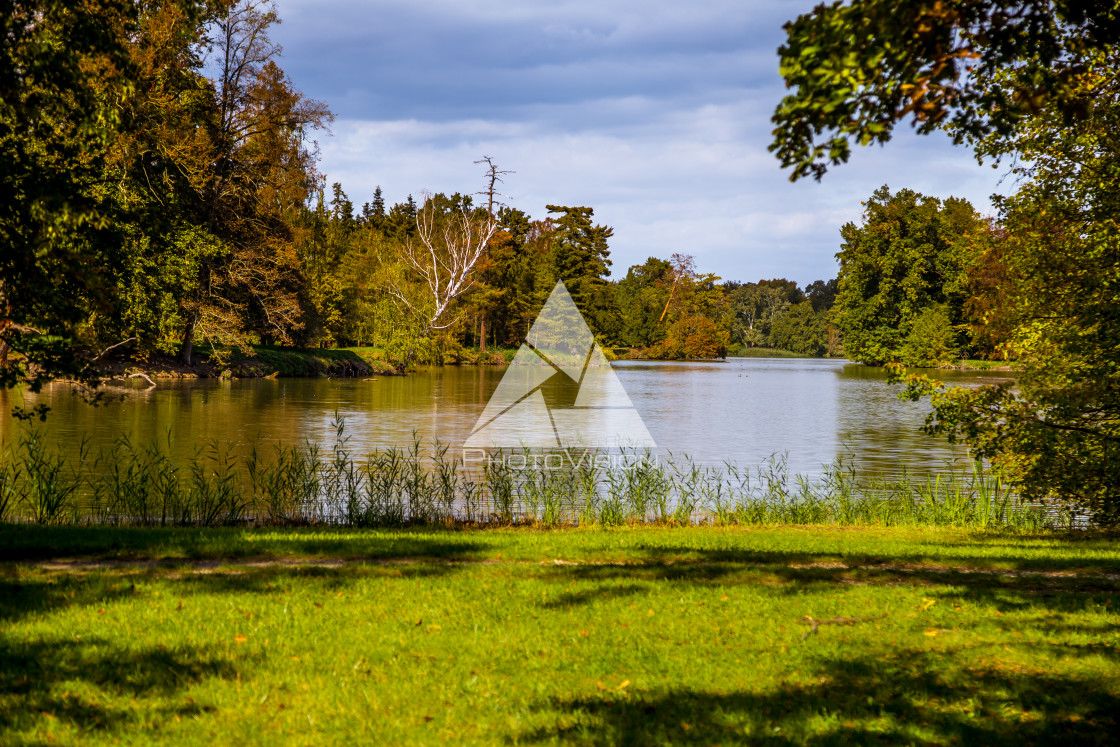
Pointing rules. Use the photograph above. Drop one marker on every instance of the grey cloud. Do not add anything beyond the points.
(432, 60)
(654, 113)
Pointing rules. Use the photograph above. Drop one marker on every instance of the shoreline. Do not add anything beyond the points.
(358, 362)
(266, 363)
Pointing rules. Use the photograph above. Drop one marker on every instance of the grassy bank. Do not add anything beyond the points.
(789, 635)
(737, 351)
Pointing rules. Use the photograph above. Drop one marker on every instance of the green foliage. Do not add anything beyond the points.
(216, 230)
(642, 296)
(976, 68)
(755, 307)
(158, 271)
(801, 330)
(777, 314)
(739, 351)
(908, 255)
(1035, 81)
(822, 294)
(1057, 431)
(580, 257)
(63, 67)
(931, 341)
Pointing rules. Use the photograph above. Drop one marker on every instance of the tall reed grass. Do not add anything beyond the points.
(141, 484)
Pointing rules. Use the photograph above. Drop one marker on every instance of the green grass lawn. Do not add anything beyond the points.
(518, 636)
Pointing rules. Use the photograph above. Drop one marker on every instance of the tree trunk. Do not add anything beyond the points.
(482, 334)
(188, 343)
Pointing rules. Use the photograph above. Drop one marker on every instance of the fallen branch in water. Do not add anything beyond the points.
(143, 376)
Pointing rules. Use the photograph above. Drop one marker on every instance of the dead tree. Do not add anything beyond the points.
(493, 178)
(451, 243)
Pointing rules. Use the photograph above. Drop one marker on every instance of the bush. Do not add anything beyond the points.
(691, 337)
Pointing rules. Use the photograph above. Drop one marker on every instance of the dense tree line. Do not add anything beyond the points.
(161, 192)
(157, 165)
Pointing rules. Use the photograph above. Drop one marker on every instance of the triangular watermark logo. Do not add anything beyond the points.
(559, 343)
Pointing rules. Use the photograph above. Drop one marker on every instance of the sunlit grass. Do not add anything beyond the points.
(631, 635)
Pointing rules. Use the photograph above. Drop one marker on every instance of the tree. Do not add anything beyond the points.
(787, 289)
(682, 268)
(822, 294)
(451, 237)
(1053, 294)
(160, 158)
(373, 212)
(487, 300)
(978, 69)
(931, 341)
(801, 330)
(754, 307)
(262, 170)
(580, 257)
(642, 296)
(988, 305)
(907, 256)
(691, 337)
(1035, 80)
(63, 69)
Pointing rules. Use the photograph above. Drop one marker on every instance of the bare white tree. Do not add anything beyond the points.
(450, 240)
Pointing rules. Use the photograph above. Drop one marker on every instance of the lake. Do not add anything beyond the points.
(741, 410)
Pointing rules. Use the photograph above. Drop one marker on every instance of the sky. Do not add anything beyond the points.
(654, 113)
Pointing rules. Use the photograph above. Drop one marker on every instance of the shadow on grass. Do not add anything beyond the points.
(100, 682)
(26, 595)
(576, 598)
(40, 679)
(900, 697)
(1052, 601)
(23, 543)
(1056, 577)
(1010, 558)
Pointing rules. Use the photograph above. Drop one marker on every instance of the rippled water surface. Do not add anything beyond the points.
(743, 410)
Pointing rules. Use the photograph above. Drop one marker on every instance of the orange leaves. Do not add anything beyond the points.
(620, 688)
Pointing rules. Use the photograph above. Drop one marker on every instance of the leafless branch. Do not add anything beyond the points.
(100, 355)
(450, 246)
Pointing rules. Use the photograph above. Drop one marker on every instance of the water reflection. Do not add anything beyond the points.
(741, 410)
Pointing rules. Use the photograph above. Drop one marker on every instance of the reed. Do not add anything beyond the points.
(132, 483)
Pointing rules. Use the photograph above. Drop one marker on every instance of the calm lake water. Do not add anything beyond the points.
(743, 410)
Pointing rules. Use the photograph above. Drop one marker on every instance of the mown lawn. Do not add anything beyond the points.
(628, 636)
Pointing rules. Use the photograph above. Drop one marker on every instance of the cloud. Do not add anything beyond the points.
(654, 113)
